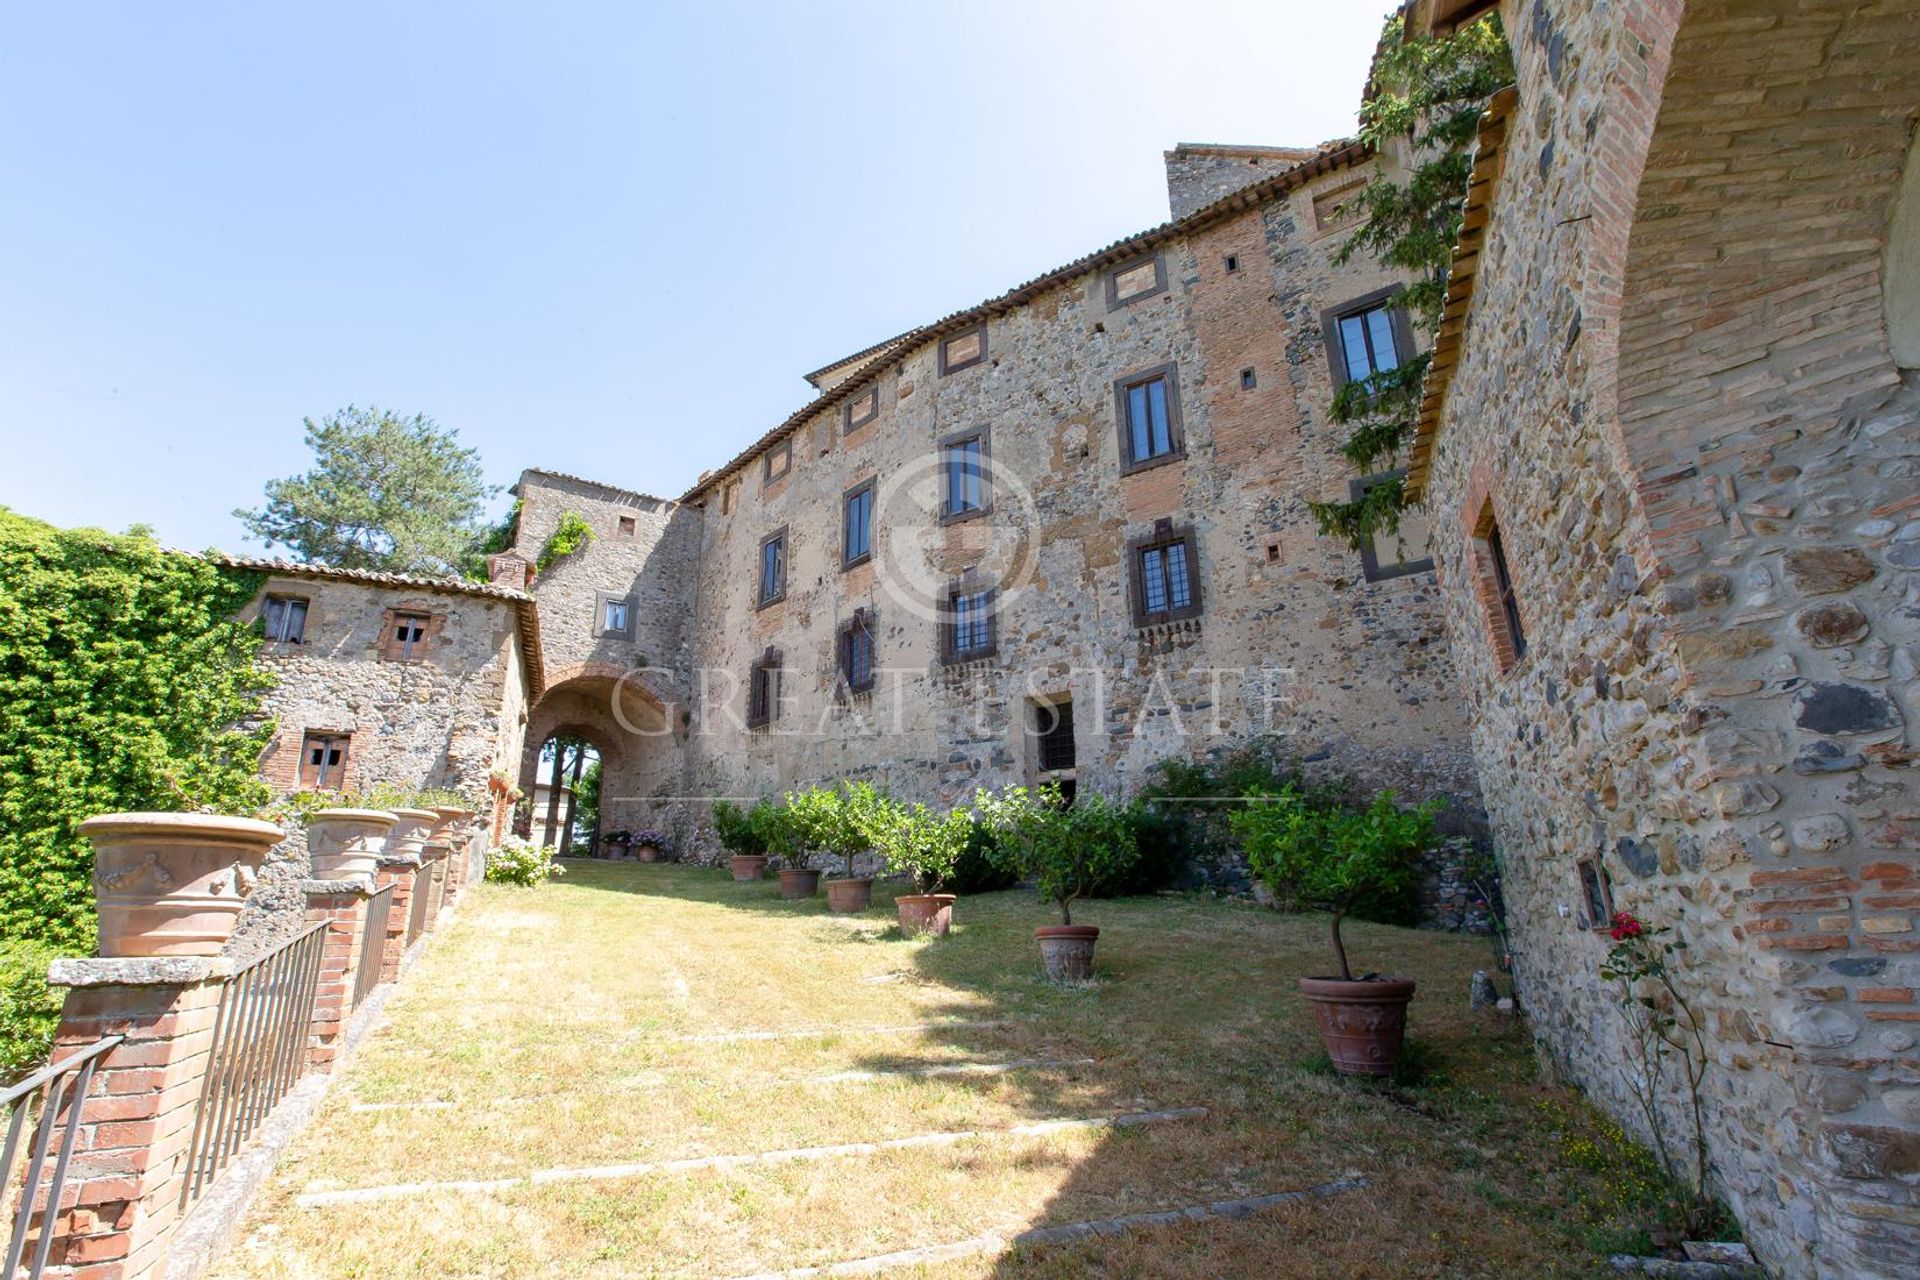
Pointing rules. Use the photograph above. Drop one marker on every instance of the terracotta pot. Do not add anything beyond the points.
(1362, 1023)
(748, 866)
(847, 896)
(1066, 950)
(347, 842)
(797, 883)
(649, 853)
(412, 831)
(616, 849)
(925, 913)
(172, 884)
(452, 819)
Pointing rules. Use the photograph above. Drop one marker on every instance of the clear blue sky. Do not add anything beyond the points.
(599, 238)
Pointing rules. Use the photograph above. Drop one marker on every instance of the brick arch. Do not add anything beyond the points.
(639, 680)
(1750, 303)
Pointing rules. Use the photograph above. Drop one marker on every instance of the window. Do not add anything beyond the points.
(285, 618)
(856, 652)
(777, 462)
(406, 637)
(1392, 555)
(323, 761)
(964, 491)
(1493, 584)
(1367, 337)
(626, 526)
(968, 629)
(1248, 380)
(1166, 575)
(1338, 206)
(861, 410)
(763, 690)
(963, 350)
(856, 533)
(1133, 281)
(1053, 736)
(1596, 894)
(1233, 263)
(772, 584)
(613, 615)
(1503, 585)
(1149, 413)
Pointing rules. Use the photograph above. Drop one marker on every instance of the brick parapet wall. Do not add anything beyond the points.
(343, 905)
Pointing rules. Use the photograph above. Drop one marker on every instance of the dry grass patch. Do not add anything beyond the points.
(562, 1025)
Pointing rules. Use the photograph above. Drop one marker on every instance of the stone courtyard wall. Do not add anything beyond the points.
(1677, 400)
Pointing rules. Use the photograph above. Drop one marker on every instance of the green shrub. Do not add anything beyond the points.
(29, 1008)
(978, 869)
(1065, 849)
(122, 676)
(918, 841)
(572, 534)
(740, 830)
(522, 862)
(1334, 857)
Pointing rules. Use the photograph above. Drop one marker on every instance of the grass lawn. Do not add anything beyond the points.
(598, 1021)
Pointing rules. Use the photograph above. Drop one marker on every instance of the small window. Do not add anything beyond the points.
(968, 629)
(1248, 380)
(406, 637)
(1503, 584)
(772, 583)
(1498, 600)
(1367, 337)
(778, 461)
(965, 491)
(1233, 263)
(856, 532)
(1053, 736)
(1135, 280)
(626, 526)
(1338, 207)
(613, 615)
(763, 690)
(1596, 894)
(1392, 555)
(963, 350)
(1166, 575)
(285, 618)
(1149, 412)
(861, 410)
(323, 761)
(856, 652)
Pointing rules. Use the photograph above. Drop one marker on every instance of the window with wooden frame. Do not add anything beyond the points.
(770, 586)
(1166, 575)
(1054, 750)
(285, 619)
(860, 410)
(1367, 337)
(855, 652)
(323, 761)
(1406, 550)
(1135, 281)
(1147, 405)
(777, 461)
(856, 525)
(1596, 894)
(965, 488)
(763, 690)
(1493, 585)
(963, 350)
(406, 639)
(969, 630)
(613, 615)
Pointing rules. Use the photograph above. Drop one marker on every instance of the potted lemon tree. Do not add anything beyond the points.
(1334, 857)
(743, 833)
(797, 828)
(925, 845)
(1067, 851)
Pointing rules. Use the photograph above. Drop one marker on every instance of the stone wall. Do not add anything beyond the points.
(1677, 402)
(1198, 174)
(447, 720)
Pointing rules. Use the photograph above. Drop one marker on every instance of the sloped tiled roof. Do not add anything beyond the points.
(591, 484)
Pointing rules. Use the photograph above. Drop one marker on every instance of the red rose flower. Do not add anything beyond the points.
(1624, 926)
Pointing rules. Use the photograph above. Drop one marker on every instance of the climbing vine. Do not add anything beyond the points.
(1421, 116)
(572, 534)
(125, 684)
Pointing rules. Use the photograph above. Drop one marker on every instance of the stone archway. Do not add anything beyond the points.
(627, 719)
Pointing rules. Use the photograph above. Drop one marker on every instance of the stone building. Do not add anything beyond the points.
(1062, 534)
(1670, 453)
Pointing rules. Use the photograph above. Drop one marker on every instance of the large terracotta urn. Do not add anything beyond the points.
(411, 833)
(345, 843)
(172, 884)
(452, 823)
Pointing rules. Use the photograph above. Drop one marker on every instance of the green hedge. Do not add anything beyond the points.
(122, 678)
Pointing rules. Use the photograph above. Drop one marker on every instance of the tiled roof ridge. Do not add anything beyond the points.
(1331, 156)
(843, 361)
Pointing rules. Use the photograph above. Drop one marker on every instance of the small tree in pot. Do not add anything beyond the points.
(742, 833)
(797, 828)
(1334, 857)
(916, 840)
(854, 808)
(1066, 851)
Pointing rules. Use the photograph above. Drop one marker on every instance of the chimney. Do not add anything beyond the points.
(1200, 173)
(510, 569)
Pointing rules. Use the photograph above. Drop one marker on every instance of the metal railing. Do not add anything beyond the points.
(373, 944)
(259, 1050)
(58, 1091)
(417, 917)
